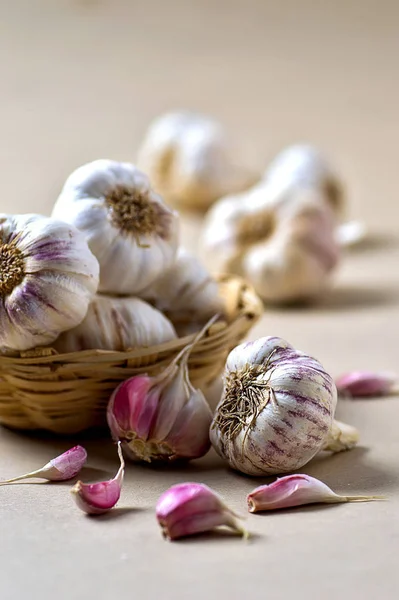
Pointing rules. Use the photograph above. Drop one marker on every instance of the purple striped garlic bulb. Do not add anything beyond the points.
(48, 276)
(277, 409)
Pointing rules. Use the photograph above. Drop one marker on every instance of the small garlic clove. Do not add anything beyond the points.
(98, 498)
(341, 437)
(296, 490)
(350, 234)
(191, 508)
(362, 384)
(63, 467)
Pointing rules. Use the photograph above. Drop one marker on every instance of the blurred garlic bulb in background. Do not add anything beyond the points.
(285, 245)
(187, 293)
(190, 160)
(47, 278)
(130, 230)
(277, 409)
(117, 324)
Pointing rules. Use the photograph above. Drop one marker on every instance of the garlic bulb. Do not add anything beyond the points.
(187, 293)
(190, 161)
(47, 278)
(286, 248)
(276, 410)
(129, 229)
(117, 324)
(305, 166)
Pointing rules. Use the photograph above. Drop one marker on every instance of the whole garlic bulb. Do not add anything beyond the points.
(187, 293)
(130, 230)
(47, 278)
(117, 324)
(190, 161)
(285, 247)
(304, 165)
(276, 410)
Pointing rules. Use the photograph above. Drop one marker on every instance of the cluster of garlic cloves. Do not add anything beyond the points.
(128, 227)
(190, 160)
(48, 276)
(277, 410)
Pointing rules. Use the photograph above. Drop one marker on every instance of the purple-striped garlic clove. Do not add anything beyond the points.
(192, 508)
(296, 490)
(98, 498)
(63, 467)
(277, 408)
(362, 384)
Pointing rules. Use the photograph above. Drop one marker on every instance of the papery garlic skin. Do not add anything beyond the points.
(99, 498)
(190, 508)
(117, 324)
(276, 410)
(363, 384)
(304, 165)
(296, 490)
(130, 230)
(161, 418)
(187, 293)
(63, 467)
(285, 246)
(48, 276)
(190, 161)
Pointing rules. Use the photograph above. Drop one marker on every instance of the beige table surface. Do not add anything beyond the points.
(81, 80)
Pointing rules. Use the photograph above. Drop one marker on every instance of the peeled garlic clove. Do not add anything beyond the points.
(361, 384)
(161, 418)
(305, 165)
(128, 227)
(187, 293)
(63, 467)
(117, 324)
(277, 408)
(98, 498)
(296, 490)
(190, 160)
(47, 278)
(191, 508)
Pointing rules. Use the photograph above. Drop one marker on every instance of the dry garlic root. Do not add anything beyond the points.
(187, 294)
(277, 410)
(48, 276)
(190, 162)
(284, 246)
(130, 230)
(117, 324)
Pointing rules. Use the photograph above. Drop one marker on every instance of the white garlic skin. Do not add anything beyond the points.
(304, 165)
(292, 427)
(129, 260)
(187, 293)
(190, 161)
(60, 278)
(117, 324)
(284, 245)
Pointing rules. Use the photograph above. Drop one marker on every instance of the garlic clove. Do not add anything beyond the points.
(350, 234)
(358, 384)
(63, 467)
(341, 437)
(191, 508)
(128, 227)
(98, 498)
(296, 490)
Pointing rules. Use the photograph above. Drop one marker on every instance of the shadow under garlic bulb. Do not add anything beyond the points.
(117, 324)
(276, 411)
(285, 246)
(47, 278)
(128, 227)
(190, 161)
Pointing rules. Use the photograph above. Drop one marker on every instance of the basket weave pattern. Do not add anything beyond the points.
(68, 393)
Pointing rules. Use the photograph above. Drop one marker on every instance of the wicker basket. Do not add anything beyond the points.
(68, 393)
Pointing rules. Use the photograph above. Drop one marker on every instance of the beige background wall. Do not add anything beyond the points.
(81, 80)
